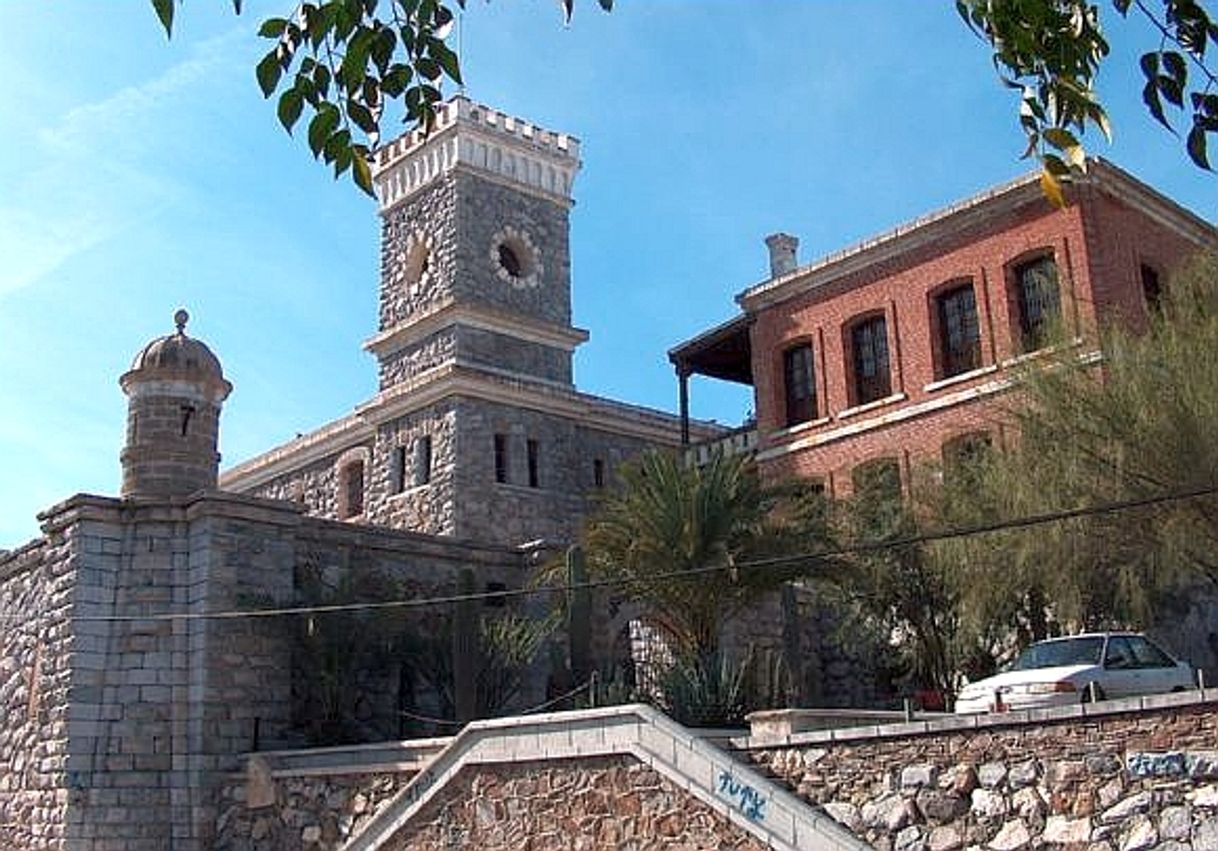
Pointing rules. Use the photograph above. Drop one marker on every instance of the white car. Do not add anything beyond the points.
(1078, 669)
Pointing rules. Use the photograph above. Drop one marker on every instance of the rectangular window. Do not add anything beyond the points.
(598, 473)
(1039, 301)
(879, 480)
(800, 384)
(963, 455)
(422, 460)
(397, 471)
(1152, 290)
(533, 455)
(869, 347)
(353, 490)
(501, 458)
(959, 333)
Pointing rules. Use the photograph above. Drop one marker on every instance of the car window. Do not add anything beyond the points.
(1066, 651)
(1147, 655)
(1119, 654)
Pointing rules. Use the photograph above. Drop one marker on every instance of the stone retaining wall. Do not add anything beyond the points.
(1102, 780)
(319, 812)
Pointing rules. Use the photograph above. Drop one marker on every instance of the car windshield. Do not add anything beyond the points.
(1067, 651)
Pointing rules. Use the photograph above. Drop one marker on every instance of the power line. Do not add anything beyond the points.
(693, 573)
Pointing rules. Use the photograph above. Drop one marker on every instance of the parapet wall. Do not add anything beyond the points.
(1115, 776)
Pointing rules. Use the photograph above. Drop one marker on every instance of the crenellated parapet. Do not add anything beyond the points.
(476, 136)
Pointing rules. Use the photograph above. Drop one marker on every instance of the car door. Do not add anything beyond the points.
(1121, 672)
(1157, 671)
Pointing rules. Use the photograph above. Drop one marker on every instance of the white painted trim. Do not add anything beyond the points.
(892, 399)
(801, 427)
(450, 313)
(990, 388)
(960, 378)
(687, 761)
(449, 380)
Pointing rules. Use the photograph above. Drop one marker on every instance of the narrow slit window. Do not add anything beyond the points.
(398, 469)
(1152, 289)
(188, 411)
(501, 458)
(534, 459)
(422, 460)
(598, 473)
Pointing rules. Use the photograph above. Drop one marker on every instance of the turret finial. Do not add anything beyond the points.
(180, 319)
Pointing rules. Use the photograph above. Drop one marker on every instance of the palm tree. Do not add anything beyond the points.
(679, 537)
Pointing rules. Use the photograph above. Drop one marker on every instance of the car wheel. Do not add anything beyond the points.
(1090, 689)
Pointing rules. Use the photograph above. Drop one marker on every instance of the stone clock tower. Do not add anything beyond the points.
(475, 262)
(477, 430)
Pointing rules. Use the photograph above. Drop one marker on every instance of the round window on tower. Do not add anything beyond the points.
(515, 258)
(416, 262)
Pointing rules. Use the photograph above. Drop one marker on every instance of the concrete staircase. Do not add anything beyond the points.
(756, 804)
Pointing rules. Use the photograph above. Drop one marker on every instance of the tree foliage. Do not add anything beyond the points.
(345, 61)
(674, 533)
(1050, 52)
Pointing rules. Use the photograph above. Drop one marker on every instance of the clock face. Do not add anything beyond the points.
(415, 262)
(515, 259)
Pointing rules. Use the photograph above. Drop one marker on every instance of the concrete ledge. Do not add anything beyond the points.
(799, 727)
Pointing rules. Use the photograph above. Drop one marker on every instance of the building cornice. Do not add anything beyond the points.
(451, 313)
(491, 143)
(448, 381)
(989, 206)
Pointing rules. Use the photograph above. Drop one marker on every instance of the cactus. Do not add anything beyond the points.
(579, 618)
(466, 650)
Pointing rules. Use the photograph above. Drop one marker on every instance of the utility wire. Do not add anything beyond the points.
(693, 573)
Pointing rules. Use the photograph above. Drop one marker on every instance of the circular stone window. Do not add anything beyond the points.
(416, 262)
(515, 258)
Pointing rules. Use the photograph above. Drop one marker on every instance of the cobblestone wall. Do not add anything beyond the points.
(483, 209)
(410, 361)
(317, 813)
(1121, 782)
(431, 215)
(604, 802)
(35, 644)
(498, 351)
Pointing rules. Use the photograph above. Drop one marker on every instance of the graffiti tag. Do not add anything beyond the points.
(746, 799)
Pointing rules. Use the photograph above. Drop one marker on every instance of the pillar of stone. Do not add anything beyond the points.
(175, 389)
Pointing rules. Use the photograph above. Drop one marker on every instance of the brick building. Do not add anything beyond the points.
(897, 350)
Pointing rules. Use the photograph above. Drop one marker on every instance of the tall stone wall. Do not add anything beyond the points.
(430, 215)
(36, 645)
(1096, 778)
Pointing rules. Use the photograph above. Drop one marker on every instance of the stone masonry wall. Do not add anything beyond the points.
(410, 361)
(311, 813)
(514, 512)
(603, 802)
(483, 208)
(486, 348)
(36, 587)
(428, 507)
(1115, 781)
(429, 214)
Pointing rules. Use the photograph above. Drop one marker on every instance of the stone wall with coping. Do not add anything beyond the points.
(1117, 776)
(597, 802)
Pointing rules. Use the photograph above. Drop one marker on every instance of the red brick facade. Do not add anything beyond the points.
(1113, 227)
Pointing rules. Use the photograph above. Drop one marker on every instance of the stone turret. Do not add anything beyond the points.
(175, 389)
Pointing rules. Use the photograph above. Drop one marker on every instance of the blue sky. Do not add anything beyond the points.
(139, 175)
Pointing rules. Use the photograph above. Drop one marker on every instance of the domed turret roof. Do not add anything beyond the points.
(178, 353)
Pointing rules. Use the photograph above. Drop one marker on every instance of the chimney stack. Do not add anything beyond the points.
(782, 253)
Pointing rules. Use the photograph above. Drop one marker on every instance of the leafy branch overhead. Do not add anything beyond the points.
(344, 61)
(1050, 51)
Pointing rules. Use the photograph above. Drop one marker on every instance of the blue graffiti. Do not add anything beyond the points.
(1170, 764)
(750, 801)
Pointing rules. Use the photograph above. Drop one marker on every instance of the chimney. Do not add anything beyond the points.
(782, 253)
